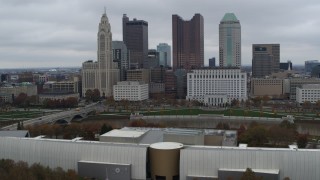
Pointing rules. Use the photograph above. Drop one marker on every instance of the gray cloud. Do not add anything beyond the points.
(58, 33)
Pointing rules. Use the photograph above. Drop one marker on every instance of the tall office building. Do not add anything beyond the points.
(164, 54)
(309, 65)
(229, 41)
(265, 59)
(212, 62)
(121, 55)
(187, 42)
(102, 74)
(135, 36)
(152, 60)
(286, 65)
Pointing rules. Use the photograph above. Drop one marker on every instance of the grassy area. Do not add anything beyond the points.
(20, 114)
(231, 112)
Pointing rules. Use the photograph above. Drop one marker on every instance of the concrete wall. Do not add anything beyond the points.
(184, 139)
(100, 170)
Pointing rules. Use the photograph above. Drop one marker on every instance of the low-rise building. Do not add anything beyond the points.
(308, 92)
(62, 86)
(14, 91)
(270, 87)
(141, 135)
(298, 82)
(131, 91)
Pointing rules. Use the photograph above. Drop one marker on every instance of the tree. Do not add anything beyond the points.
(20, 171)
(71, 102)
(257, 101)
(88, 95)
(288, 125)
(248, 103)
(265, 99)
(281, 136)
(302, 140)
(20, 100)
(96, 95)
(250, 175)
(222, 125)
(306, 105)
(105, 128)
(255, 136)
(235, 103)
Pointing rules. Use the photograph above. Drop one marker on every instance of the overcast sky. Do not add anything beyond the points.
(62, 33)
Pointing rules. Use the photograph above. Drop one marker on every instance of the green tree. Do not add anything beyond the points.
(105, 128)
(255, 136)
(257, 101)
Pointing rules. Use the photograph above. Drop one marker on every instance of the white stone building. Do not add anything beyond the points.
(216, 86)
(102, 74)
(131, 90)
(308, 92)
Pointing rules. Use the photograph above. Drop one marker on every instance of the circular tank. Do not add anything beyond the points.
(164, 160)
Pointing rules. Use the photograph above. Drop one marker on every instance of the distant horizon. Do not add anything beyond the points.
(55, 67)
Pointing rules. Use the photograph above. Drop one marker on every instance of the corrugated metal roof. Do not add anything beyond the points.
(66, 154)
(206, 161)
(18, 133)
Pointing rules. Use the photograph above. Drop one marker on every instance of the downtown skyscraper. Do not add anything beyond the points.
(164, 54)
(103, 73)
(135, 37)
(229, 41)
(187, 42)
(265, 59)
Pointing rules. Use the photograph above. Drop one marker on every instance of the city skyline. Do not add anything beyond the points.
(64, 35)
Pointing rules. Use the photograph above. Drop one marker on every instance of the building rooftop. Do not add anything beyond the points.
(18, 133)
(229, 17)
(269, 171)
(166, 145)
(310, 86)
(144, 135)
(125, 133)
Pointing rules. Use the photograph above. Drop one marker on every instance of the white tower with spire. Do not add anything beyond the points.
(104, 73)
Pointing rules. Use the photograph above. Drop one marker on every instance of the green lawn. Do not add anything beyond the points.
(232, 112)
(20, 114)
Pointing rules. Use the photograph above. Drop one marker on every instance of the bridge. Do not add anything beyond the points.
(63, 117)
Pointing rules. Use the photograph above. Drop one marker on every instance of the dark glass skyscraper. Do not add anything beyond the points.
(187, 42)
(265, 59)
(135, 36)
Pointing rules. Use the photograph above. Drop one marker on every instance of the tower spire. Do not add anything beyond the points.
(105, 11)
